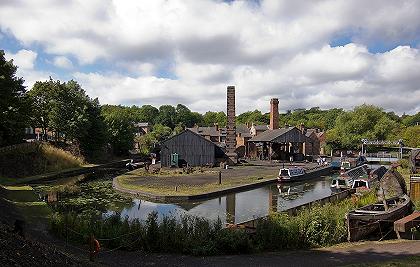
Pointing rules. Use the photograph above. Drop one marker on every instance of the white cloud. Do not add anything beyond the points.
(278, 48)
(24, 59)
(63, 62)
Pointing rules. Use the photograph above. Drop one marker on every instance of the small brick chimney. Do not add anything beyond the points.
(274, 114)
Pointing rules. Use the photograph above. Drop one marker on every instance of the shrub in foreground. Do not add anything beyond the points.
(316, 227)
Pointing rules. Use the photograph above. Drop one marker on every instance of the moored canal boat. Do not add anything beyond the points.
(291, 174)
(340, 183)
(295, 174)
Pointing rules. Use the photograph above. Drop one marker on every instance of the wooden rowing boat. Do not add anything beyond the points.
(379, 216)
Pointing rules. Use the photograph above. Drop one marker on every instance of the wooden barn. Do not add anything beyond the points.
(189, 148)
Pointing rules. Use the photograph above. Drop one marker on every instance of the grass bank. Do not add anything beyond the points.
(32, 159)
(128, 182)
(316, 227)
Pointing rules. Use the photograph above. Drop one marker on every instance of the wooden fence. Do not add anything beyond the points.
(415, 188)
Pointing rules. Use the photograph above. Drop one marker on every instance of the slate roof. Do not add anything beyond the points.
(208, 131)
(271, 135)
(309, 132)
(243, 130)
(261, 127)
(186, 131)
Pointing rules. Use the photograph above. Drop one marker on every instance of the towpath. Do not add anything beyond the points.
(359, 253)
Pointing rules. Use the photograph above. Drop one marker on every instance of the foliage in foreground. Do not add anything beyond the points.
(315, 227)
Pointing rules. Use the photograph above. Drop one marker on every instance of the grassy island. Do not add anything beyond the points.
(175, 182)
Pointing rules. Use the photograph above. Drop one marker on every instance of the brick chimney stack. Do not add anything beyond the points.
(231, 126)
(274, 114)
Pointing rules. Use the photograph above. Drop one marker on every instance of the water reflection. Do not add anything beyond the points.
(239, 207)
(95, 191)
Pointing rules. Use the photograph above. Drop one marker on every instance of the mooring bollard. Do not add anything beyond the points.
(220, 177)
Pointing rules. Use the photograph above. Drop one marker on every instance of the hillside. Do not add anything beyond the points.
(31, 159)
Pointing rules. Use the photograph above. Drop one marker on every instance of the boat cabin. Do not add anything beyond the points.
(290, 172)
(345, 165)
(339, 183)
(361, 183)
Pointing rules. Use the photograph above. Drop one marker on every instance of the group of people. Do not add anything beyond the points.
(321, 161)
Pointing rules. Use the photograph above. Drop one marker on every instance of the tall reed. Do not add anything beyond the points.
(315, 227)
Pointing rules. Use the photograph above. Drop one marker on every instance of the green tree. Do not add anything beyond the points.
(186, 118)
(120, 128)
(161, 132)
(411, 120)
(411, 136)
(166, 116)
(364, 122)
(41, 96)
(93, 142)
(68, 115)
(210, 118)
(148, 141)
(148, 114)
(255, 117)
(14, 108)
(66, 109)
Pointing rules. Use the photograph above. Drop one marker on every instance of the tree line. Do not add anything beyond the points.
(65, 109)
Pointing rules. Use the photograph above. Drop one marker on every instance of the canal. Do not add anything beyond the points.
(93, 193)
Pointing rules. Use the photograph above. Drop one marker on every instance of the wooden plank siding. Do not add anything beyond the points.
(415, 188)
(191, 147)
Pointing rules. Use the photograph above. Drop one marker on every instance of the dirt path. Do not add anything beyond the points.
(361, 253)
(232, 174)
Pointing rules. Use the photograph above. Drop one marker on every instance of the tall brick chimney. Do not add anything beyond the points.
(274, 114)
(231, 126)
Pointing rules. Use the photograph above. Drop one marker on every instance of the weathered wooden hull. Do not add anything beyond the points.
(360, 224)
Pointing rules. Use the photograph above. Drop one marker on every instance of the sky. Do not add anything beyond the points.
(319, 53)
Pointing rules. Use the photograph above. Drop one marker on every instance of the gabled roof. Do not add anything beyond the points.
(261, 127)
(208, 131)
(242, 128)
(280, 136)
(187, 131)
(309, 132)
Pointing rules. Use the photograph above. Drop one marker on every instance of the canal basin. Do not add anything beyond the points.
(94, 191)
